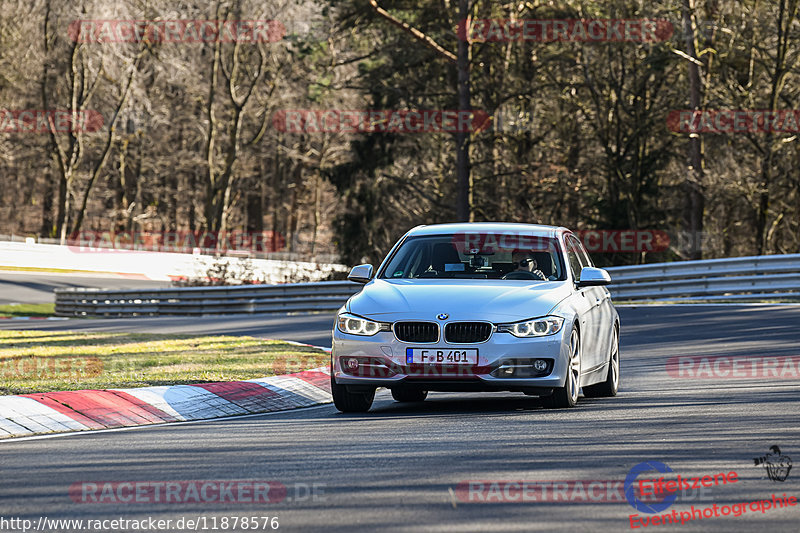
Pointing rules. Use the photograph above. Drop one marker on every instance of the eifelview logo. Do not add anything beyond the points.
(638, 503)
(775, 463)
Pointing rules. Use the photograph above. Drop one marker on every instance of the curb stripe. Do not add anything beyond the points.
(154, 396)
(46, 400)
(30, 414)
(195, 403)
(56, 412)
(316, 378)
(298, 387)
(13, 429)
(289, 395)
(106, 408)
(249, 396)
(156, 415)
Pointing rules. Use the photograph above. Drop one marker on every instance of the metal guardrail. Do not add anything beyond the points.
(743, 278)
(765, 277)
(299, 297)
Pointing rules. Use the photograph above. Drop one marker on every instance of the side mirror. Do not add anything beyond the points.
(593, 277)
(362, 274)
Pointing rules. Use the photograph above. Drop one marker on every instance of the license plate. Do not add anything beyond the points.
(429, 356)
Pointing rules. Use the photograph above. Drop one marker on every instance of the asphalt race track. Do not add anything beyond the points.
(398, 468)
(309, 328)
(37, 287)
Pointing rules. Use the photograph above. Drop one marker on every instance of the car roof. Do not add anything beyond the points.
(535, 230)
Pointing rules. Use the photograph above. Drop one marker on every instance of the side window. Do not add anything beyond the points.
(573, 258)
(582, 255)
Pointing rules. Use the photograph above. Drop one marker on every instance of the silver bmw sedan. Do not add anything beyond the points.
(478, 307)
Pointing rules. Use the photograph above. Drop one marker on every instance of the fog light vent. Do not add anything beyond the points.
(523, 368)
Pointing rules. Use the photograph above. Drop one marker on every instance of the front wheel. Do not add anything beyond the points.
(567, 396)
(351, 402)
(610, 386)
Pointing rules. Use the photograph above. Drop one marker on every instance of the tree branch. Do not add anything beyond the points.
(418, 35)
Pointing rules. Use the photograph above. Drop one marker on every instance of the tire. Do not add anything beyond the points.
(403, 394)
(567, 396)
(351, 402)
(610, 386)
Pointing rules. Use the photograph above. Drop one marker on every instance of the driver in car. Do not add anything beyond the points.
(526, 263)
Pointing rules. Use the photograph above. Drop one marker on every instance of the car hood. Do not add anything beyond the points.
(461, 299)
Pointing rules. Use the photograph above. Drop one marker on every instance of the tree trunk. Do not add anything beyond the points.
(786, 18)
(47, 206)
(693, 186)
(464, 211)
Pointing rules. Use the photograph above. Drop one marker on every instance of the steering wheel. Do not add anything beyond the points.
(521, 274)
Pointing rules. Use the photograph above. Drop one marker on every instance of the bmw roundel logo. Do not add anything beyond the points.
(442, 316)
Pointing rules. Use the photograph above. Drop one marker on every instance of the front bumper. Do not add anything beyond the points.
(382, 363)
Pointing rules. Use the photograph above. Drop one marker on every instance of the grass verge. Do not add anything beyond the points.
(42, 361)
(10, 311)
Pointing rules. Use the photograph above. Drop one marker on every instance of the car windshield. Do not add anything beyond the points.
(476, 257)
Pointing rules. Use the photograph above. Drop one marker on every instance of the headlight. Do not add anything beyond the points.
(355, 325)
(537, 327)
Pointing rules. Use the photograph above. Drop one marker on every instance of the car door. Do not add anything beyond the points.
(583, 302)
(601, 312)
